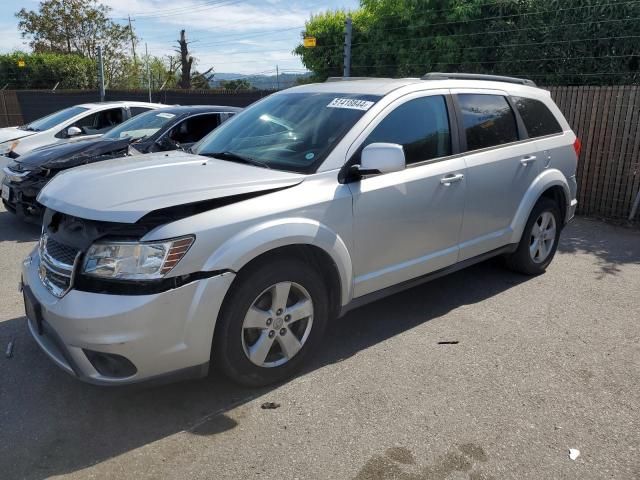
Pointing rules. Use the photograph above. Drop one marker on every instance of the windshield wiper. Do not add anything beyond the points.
(234, 157)
(28, 128)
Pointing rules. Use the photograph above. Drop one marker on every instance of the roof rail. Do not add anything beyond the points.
(346, 79)
(477, 76)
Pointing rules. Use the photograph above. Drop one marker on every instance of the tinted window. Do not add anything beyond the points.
(537, 118)
(100, 122)
(138, 110)
(421, 126)
(488, 120)
(193, 129)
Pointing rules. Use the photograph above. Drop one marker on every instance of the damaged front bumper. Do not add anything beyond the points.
(19, 197)
(113, 340)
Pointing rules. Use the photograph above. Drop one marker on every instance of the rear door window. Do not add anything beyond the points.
(487, 120)
(421, 126)
(537, 118)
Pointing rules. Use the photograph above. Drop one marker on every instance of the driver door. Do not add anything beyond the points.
(407, 223)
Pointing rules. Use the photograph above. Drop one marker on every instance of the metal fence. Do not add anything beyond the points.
(22, 106)
(606, 119)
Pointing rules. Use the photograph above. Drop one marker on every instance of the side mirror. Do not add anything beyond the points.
(382, 158)
(73, 132)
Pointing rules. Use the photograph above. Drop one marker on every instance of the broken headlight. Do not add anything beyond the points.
(134, 260)
(7, 147)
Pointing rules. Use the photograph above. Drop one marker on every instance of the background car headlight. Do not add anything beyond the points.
(135, 261)
(7, 147)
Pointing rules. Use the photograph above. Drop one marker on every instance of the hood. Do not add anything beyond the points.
(124, 190)
(13, 133)
(70, 154)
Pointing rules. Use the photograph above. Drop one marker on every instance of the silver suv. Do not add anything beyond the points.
(307, 204)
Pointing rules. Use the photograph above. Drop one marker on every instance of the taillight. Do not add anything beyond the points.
(577, 146)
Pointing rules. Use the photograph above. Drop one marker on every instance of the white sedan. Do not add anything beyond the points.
(80, 121)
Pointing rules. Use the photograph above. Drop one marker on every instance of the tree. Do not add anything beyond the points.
(186, 61)
(189, 79)
(46, 70)
(77, 27)
(551, 41)
(235, 85)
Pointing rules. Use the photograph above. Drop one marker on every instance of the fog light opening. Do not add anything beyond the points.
(110, 364)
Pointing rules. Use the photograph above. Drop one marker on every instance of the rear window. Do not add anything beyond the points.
(537, 118)
(488, 120)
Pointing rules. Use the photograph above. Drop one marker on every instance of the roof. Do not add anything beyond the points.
(129, 103)
(384, 86)
(190, 109)
(369, 86)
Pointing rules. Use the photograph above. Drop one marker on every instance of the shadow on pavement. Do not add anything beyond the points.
(15, 230)
(52, 424)
(612, 246)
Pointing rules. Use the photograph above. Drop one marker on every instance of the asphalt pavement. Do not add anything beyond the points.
(484, 374)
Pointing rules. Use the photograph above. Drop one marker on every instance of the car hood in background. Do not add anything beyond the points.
(70, 154)
(13, 133)
(126, 189)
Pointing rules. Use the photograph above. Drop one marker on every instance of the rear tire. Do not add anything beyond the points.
(271, 322)
(539, 240)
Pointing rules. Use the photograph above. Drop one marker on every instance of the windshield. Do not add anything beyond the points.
(287, 131)
(143, 125)
(56, 118)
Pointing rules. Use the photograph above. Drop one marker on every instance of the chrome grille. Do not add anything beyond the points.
(61, 253)
(57, 262)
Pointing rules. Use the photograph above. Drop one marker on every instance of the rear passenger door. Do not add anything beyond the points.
(501, 165)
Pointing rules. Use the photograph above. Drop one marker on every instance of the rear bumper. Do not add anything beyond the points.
(573, 204)
(165, 336)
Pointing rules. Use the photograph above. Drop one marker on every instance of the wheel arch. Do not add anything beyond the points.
(301, 238)
(551, 184)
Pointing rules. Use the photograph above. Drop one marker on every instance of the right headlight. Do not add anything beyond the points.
(135, 260)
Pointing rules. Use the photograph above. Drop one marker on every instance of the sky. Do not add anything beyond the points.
(233, 36)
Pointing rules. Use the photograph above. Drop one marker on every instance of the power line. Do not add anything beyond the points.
(520, 60)
(181, 10)
(539, 12)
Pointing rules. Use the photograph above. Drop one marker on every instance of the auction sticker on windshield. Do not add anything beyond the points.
(165, 115)
(352, 103)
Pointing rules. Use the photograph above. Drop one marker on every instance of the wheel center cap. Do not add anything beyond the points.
(277, 323)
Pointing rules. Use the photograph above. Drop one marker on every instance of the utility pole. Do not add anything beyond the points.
(146, 53)
(347, 48)
(133, 43)
(277, 78)
(100, 74)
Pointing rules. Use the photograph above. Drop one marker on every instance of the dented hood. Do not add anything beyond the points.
(126, 189)
(70, 154)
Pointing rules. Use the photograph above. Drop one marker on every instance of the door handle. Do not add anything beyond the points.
(527, 160)
(449, 179)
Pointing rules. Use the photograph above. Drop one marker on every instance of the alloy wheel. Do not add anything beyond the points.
(543, 237)
(277, 324)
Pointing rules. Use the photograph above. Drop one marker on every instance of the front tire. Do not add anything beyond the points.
(271, 322)
(539, 240)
